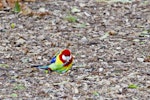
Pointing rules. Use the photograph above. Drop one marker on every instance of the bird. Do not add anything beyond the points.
(61, 62)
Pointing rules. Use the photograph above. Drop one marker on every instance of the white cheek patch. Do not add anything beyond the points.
(64, 57)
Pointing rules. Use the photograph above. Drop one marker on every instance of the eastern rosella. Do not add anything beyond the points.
(61, 62)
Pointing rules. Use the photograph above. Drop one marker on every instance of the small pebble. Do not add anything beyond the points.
(140, 59)
(84, 40)
(101, 69)
(39, 57)
(118, 48)
(83, 56)
(42, 10)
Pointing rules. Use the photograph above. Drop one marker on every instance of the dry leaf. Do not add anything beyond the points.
(147, 59)
(25, 10)
(112, 32)
(11, 3)
(29, 0)
(1, 5)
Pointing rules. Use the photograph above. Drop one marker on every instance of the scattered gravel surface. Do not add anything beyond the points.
(110, 43)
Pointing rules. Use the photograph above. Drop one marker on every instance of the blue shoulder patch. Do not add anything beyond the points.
(53, 60)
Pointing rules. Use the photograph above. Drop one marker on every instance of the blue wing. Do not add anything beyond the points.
(53, 60)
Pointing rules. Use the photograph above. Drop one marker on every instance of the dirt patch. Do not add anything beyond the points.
(109, 41)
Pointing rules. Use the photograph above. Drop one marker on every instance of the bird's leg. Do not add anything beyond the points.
(49, 70)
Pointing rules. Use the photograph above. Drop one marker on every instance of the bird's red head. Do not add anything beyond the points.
(66, 52)
(66, 56)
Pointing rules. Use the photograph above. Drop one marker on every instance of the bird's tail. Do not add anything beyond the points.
(41, 67)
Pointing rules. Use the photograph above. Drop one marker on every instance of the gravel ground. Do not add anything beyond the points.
(110, 43)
